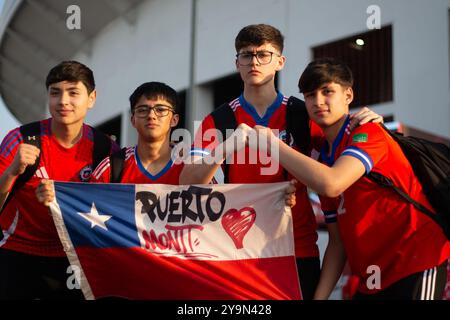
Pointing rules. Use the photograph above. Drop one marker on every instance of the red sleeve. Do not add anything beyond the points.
(368, 143)
(102, 174)
(329, 207)
(8, 148)
(205, 138)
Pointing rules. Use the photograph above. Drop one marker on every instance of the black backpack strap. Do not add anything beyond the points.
(116, 161)
(224, 119)
(31, 134)
(388, 183)
(298, 124)
(102, 147)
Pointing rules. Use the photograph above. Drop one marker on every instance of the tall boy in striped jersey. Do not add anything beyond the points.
(259, 57)
(397, 251)
(33, 264)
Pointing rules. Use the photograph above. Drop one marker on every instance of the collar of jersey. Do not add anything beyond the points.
(324, 151)
(264, 121)
(46, 130)
(148, 174)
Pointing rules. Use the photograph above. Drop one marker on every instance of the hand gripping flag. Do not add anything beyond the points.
(178, 242)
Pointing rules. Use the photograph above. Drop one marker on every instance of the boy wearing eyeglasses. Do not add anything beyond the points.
(153, 108)
(259, 57)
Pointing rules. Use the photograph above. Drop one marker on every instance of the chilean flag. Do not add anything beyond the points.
(178, 242)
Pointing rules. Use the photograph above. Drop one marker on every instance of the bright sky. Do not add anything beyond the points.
(7, 121)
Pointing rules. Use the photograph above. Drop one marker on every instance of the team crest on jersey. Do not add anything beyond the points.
(85, 173)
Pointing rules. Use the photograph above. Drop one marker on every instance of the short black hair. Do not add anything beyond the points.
(257, 35)
(71, 71)
(322, 71)
(154, 90)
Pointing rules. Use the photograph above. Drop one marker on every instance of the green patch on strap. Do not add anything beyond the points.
(361, 137)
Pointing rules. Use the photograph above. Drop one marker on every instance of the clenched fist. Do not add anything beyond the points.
(26, 155)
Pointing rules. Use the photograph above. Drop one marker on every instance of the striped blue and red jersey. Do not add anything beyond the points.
(377, 226)
(26, 224)
(135, 172)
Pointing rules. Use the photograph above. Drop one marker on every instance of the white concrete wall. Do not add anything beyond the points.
(157, 48)
(219, 21)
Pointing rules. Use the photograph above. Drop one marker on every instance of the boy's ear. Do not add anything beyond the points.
(174, 120)
(133, 120)
(348, 95)
(281, 62)
(92, 97)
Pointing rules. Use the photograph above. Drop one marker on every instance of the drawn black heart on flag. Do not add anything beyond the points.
(237, 223)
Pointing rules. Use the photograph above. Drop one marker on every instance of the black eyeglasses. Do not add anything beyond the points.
(160, 110)
(263, 57)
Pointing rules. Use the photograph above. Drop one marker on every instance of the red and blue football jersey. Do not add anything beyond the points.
(26, 224)
(378, 227)
(135, 172)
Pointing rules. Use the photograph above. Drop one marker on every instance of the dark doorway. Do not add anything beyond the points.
(112, 128)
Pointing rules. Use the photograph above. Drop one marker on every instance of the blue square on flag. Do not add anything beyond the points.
(98, 216)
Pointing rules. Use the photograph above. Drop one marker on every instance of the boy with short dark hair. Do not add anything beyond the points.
(33, 264)
(154, 113)
(259, 56)
(397, 251)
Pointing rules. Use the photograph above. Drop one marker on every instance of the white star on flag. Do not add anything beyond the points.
(95, 218)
